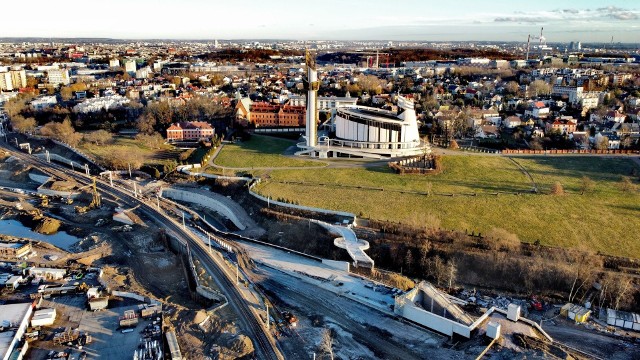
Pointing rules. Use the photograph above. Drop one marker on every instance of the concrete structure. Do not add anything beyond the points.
(130, 67)
(18, 78)
(43, 317)
(15, 317)
(6, 84)
(347, 240)
(622, 319)
(47, 273)
(192, 130)
(121, 216)
(43, 102)
(311, 121)
(58, 76)
(371, 132)
(575, 312)
(429, 307)
(218, 203)
(98, 303)
(101, 103)
(265, 114)
(15, 250)
(513, 312)
(493, 330)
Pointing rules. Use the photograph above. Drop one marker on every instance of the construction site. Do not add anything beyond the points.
(128, 288)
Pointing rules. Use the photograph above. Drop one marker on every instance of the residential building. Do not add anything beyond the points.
(58, 76)
(615, 116)
(130, 66)
(18, 78)
(613, 140)
(99, 103)
(6, 83)
(44, 102)
(564, 126)
(192, 130)
(114, 63)
(512, 122)
(537, 110)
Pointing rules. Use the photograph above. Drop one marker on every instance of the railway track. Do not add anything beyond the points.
(265, 348)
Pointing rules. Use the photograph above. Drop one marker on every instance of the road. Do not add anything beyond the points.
(264, 348)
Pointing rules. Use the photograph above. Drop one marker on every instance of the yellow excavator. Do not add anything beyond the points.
(95, 199)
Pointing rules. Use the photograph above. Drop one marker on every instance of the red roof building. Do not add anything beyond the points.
(192, 130)
(265, 114)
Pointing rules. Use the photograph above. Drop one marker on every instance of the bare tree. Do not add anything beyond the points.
(452, 272)
(22, 124)
(587, 185)
(501, 239)
(326, 344)
(583, 267)
(602, 143)
(98, 137)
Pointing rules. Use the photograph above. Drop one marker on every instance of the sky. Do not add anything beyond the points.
(395, 20)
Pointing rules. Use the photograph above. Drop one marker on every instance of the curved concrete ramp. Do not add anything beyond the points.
(218, 203)
(348, 240)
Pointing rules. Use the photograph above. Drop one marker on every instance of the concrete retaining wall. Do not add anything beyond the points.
(435, 322)
(128, 295)
(183, 195)
(39, 178)
(61, 159)
(340, 265)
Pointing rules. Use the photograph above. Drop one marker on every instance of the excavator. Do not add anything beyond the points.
(95, 198)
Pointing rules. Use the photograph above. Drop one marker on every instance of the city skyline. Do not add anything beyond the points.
(410, 20)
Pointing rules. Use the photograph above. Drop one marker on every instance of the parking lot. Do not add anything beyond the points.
(108, 340)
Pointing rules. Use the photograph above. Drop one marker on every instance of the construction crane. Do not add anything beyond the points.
(95, 198)
(541, 38)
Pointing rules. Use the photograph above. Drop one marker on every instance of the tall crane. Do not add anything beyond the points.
(541, 38)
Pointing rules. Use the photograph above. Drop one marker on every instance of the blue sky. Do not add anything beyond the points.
(426, 20)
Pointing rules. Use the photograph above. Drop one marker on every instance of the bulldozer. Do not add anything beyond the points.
(44, 200)
(95, 198)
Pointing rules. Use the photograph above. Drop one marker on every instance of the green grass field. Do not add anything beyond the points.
(605, 220)
(150, 156)
(260, 151)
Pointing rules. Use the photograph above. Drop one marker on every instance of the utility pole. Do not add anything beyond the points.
(267, 304)
(72, 169)
(48, 157)
(110, 178)
(135, 191)
(238, 277)
(86, 169)
(184, 226)
(209, 236)
(129, 170)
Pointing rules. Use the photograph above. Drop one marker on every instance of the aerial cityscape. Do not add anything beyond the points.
(339, 180)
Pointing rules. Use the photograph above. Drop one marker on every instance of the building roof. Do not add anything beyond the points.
(190, 125)
(13, 314)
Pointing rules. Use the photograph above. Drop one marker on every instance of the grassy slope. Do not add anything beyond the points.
(151, 156)
(260, 151)
(603, 220)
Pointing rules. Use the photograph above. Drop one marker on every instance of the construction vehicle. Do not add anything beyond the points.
(95, 198)
(44, 200)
